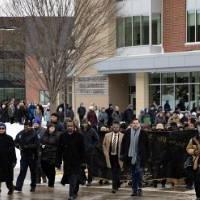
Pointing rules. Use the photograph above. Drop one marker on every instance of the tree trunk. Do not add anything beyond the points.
(53, 105)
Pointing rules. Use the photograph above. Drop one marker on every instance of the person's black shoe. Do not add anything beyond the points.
(140, 193)
(106, 182)
(134, 194)
(88, 184)
(17, 189)
(10, 191)
(32, 189)
(75, 196)
(101, 182)
(113, 191)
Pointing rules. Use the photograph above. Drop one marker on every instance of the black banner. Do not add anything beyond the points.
(167, 155)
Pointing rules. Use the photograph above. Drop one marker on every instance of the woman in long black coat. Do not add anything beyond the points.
(49, 150)
(7, 158)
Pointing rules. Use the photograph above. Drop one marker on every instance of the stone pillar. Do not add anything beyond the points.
(142, 92)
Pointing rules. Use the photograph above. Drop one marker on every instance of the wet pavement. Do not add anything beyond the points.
(95, 193)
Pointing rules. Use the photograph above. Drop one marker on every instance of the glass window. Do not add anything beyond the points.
(154, 78)
(195, 77)
(191, 26)
(20, 93)
(168, 78)
(120, 32)
(9, 93)
(195, 96)
(156, 29)
(128, 31)
(198, 25)
(168, 95)
(136, 30)
(145, 30)
(182, 77)
(182, 97)
(154, 94)
(2, 94)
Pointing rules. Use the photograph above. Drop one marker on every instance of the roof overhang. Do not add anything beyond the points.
(161, 62)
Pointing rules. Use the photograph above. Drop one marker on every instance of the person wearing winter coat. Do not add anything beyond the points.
(8, 158)
(39, 130)
(71, 151)
(27, 142)
(128, 114)
(81, 112)
(103, 117)
(91, 139)
(117, 116)
(92, 118)
(134, 154)
(112, 148)
(49, 151)
(4, 117)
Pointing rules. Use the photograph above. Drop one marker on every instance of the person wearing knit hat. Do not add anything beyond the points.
(7, 158)
(39, 130)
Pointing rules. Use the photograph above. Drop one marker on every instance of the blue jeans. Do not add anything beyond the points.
(137, 177)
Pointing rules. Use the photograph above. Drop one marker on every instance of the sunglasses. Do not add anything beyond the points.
(2, 128)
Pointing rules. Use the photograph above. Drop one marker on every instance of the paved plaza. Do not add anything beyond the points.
(96, 193)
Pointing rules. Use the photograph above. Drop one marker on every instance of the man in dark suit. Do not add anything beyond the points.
(134, 153)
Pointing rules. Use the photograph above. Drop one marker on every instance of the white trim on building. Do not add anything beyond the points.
(167, 62)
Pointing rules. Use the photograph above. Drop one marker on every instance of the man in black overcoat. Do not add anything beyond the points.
(71, 151)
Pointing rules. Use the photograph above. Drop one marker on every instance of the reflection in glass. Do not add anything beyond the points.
(145, 30)
(168, 78)
(136, 30)
(182, 97)
(168, 95)
(120, 32)
(182, 77)
(195, 77)
(128, 31)
(191, 26)
(154, 78)
(195, 96)
(154, 94)
(198, 25)
(156, 28)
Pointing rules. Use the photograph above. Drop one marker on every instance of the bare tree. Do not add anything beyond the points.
(64, 36)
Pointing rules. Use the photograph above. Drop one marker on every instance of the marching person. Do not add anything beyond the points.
(49, 145)
(134, 153)
(193, 149)
(27, 142)
(91, 139)
(39, 130)
(71, 151)
(7, 158)
(111, 148)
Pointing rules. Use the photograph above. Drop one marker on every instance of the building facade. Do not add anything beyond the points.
(12, 60)
(156, 58)
(157, 49)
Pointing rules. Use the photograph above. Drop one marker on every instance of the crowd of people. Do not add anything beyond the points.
(71, 142)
